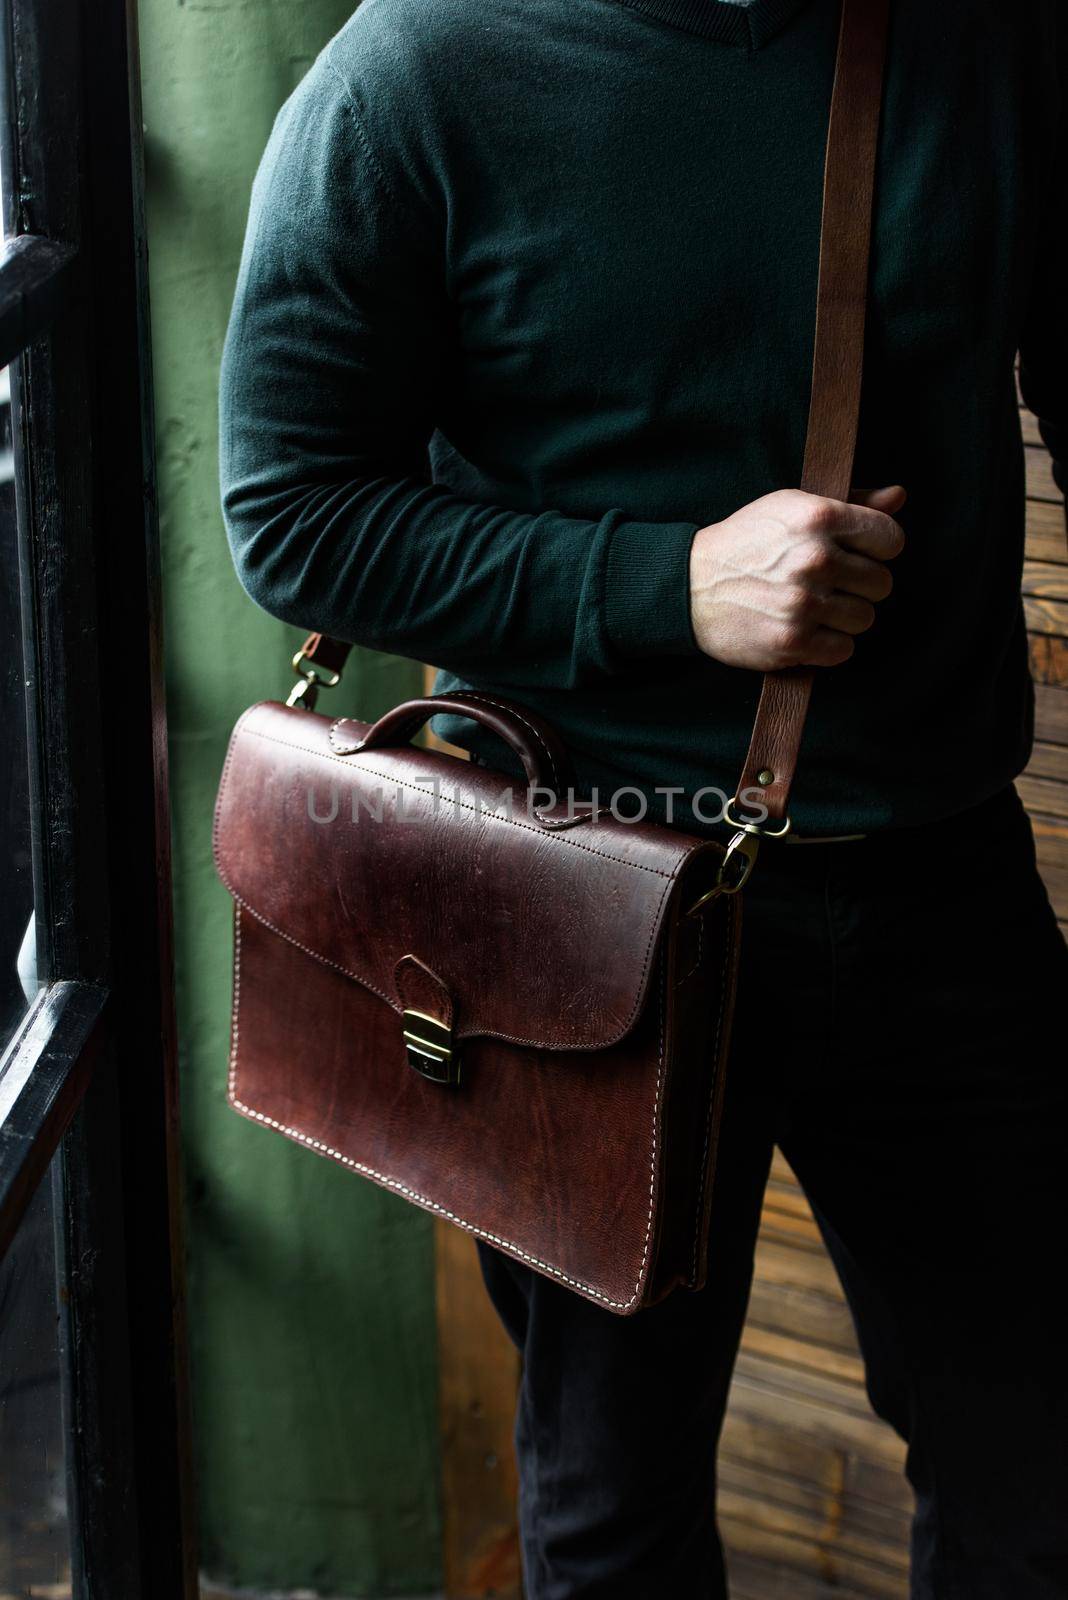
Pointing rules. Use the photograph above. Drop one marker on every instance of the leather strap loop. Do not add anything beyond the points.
(320, 650)
(837, 357)
(420, 989)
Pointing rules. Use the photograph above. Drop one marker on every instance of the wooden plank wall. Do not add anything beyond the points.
(1044, 786)
(813, 1503)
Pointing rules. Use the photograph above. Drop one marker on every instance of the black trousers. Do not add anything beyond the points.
(901, 1035)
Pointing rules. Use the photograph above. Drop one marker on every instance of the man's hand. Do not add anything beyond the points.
(790, 579)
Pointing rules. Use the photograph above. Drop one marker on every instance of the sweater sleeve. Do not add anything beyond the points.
(340, 347)
(1044, 339)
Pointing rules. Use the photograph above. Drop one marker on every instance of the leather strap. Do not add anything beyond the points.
(837, 358)
(837, 362)
(320, 650)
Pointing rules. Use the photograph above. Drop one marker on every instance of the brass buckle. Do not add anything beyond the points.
(430, 1047)
(306, 692)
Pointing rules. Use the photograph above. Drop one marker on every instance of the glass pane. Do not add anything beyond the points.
(5, 92)
(34, 1549)
(18, 980)
(17, 945)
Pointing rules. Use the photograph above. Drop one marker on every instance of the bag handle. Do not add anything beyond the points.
(545, 761)
(837, 363)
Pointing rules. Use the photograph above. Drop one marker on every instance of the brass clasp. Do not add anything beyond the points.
(740, 857)
(430, 1047)
(306, 692)
(733, 872)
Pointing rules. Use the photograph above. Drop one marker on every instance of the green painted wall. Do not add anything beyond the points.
(311, 1292)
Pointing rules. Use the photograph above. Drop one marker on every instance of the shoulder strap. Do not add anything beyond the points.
(837, 359)
(845, 233)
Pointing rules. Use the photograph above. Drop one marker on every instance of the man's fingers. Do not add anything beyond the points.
(889, 500)
(865, 523)
(792, 578)
(855, 574)
(846, 613)
(827, 648)
(872, 533)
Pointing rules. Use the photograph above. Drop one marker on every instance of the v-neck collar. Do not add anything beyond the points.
(750, 26)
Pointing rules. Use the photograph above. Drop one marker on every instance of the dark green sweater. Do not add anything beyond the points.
(527, 297)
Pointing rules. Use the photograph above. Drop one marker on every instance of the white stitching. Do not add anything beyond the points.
(656, 1129)
(575, 844)
(234, 1018)
(216, 818)
(501, 705)
(507, 1038)
(424, 1200)
(544, 816)
(717, 1068)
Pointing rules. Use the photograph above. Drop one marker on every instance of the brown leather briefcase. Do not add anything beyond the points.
(511, 1008)
(502, 1015)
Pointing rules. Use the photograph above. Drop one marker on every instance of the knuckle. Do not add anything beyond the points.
(798, 605)
(791, 502)
(822, 515)
(783, 647)
(817, 557)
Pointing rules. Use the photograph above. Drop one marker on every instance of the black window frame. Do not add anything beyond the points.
(91, 1072)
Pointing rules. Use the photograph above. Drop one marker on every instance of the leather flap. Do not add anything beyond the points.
(541, 937)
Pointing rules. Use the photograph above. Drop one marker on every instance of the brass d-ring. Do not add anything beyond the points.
(754, 827)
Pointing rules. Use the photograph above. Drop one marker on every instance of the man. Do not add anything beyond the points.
(516, 382)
